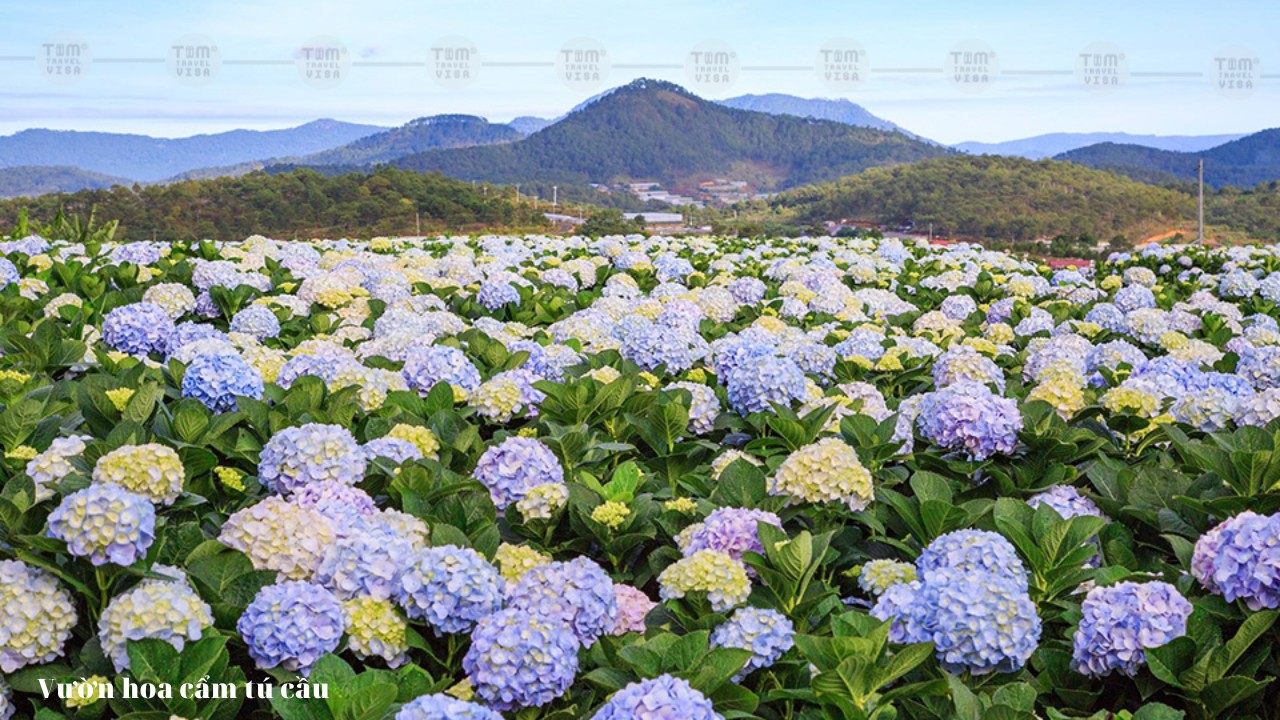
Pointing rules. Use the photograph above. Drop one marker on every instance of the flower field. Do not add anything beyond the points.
(547, 478)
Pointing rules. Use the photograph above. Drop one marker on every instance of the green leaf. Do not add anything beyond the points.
(152, 660)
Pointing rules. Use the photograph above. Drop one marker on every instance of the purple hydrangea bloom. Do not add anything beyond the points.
(764, 379)
(450, 588)
(730, 530)
(766, 633)
(138, 329)
(424, 367)
(105, 523)
(217, 379)
(968, 416)
(510, 468)
(290, 625)
(661, 698)
(519, 660)
(338, 501)
(443, 707)
(1122, 621)
(578, 594)
(748, 290)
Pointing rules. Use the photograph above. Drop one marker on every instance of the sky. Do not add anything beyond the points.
(950, 70)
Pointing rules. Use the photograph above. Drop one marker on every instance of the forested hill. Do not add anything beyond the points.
(301, 203)
(1244, 163)
(654, 130)
(993, 197)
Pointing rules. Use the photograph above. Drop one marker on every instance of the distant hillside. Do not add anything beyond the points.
(528, 124)
(835, 110)
(302, 203)
(655, 130)
(32, 180)
(988, 197)
(1043, 146)
(145, 158)
(415, 136)
(1244, 163)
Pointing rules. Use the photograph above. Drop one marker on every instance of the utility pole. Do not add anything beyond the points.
(417, 223)
(1200, 232)
(517, 192)
(555, 196)
(931, 233)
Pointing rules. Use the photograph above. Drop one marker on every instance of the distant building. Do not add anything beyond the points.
(658, 222)
(564, 223)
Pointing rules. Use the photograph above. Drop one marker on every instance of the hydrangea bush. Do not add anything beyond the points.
(641, 477)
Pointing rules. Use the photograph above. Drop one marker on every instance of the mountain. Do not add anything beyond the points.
(655, 130)
(837, 110)
(145, 158)
(1043, 146)
(303, 203)
(1246, 162)
(33, 180)
(415, 136)
(528, 124)
(995, 198)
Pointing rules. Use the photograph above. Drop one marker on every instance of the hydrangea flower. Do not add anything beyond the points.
(577, 593)
(298, 456)
(762, 380)
(972, 551)
(964, 364)
(513, 467)
(341, 503)
(151, 470)
(516, 560)
(661, 697)
(723, 579)
(424, 367)
(969, 417)
(156, 609)
(704, 406)
(1120, 622)
(443, 707)
(54, 464)
(105, 523)
(825, 471)
(449, 588)
(279, 535)
(217, 379)
(364, 565)
(877, 576)
(38, 618)
(257, 321)
(729, 530)
(1240, 560)
(138, 329)
(766, 633)
(633, 607)
(518, 660)
(375, 629)
(290, 625)
(653, 344)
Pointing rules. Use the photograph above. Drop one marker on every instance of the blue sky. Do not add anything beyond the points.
(1168, 47)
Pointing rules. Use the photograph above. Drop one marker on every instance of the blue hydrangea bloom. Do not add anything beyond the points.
(748, 290)
(728, 353)
(766, 633)
(322, 366)
(443, 707)
(1121, 621)
(510, 468)
(290, 625)
(1134, 297)
(675, 348)
(105, 523)
(764, 379)
(1260, 366)
(964, 364)
(138, 329)
(185, 333)
(1240, 560)
(519, 660)
(424, 367)
(578, 594)
(968, 416)
(450, 588)
(298, 456)
(364, 565)
(494, 294)
(661, 698)
(395, 449)
(216, 379)
(256, 320)
(1109, 316)
(969, 551)
(8, 273)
